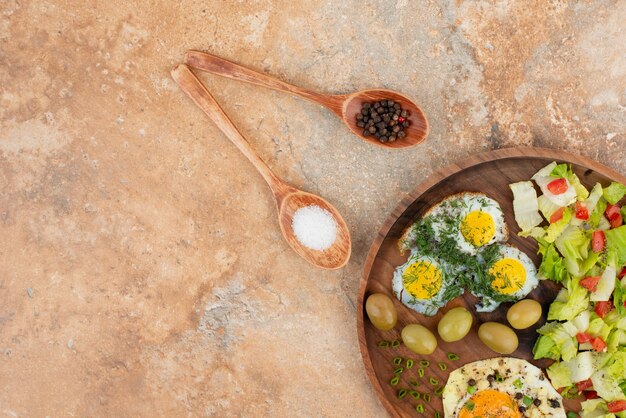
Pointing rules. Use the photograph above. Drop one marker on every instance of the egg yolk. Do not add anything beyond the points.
(508, 275)
(478, 228)
(490, 404)
(422, 280)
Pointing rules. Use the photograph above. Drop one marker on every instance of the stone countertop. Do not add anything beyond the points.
(142, 269)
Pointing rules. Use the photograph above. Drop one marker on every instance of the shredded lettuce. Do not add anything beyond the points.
(570, 301)
(606, 380)
(525, 206)
(565, 171)
(552, 264)
(546, 207)
(614, 192)
(616, 241)
(555, 229)
(559, 375)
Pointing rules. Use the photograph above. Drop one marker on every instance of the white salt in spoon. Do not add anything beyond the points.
(288, 198)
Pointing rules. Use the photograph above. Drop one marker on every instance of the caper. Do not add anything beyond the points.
(381, 311)
(419, 339)
(524, 314)
(455, 324)
(498, 337)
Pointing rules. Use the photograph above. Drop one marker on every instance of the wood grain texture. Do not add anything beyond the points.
(490, 173)
(345, 106)
(288, 198)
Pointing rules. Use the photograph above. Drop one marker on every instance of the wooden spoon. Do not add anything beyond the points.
(288, 198)
(346, 106)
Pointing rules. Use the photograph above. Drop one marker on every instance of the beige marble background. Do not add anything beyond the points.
(142, 270)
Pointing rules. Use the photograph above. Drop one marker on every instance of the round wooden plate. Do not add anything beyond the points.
(490, 173)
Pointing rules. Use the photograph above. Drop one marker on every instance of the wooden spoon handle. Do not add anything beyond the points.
(220, 66)
(194, 88)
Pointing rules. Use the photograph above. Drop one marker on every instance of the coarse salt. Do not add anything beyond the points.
(314, 227)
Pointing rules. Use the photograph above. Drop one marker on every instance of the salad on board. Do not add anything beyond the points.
(582, 241)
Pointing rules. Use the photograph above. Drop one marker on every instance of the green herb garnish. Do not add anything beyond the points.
(527, 401)
(518, 384)
(398, 370)
(397, 361)
(383, 344)
(401, 393)
(427, 397)
(394, 381)
(453, 357)
(419, 408)
(395, 344)
(571, 414)
(420, 372)
(439, 391)
(413, 382)
(442, 366)
(415, 394)
(433, 381)
(471, 390)
(409, 363)
(499, 378)
(469, 405)
(424, 363)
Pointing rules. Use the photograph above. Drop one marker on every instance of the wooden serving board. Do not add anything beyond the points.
(489, 173)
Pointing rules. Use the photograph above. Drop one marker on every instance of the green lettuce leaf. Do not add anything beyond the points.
(614, 192)
(555, 229)
(606, 381)
(552, 264)
(597, 214)
(545, 347)
(559, 375)
(570, 301)
(616, 241)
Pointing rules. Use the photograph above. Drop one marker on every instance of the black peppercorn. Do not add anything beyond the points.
(537, 402)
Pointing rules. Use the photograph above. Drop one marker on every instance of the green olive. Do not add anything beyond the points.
(524, 313)
(498, 337)
(419, 339)
(381, 312)
(455, 324)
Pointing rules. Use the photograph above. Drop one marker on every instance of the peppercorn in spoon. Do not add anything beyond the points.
(289, 200)
(379, 109)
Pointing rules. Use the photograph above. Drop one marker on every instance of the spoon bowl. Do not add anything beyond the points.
(288, 198)
(333, 257)
(345, 106)
(416, 132)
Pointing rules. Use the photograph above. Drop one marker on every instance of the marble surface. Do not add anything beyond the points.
(142, 270)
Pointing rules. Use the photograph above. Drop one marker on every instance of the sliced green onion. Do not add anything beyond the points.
(499, 378)
(437, 414)
(415, 394)
(398, 370)
(527, 400)
(409, 363)
(397, 361)
(442, 366)
(394, 381)
(413, 382)
(471, 390)
(427, 397)
(470, 405)
(420, 371)
(439, 391)
(383, 344)
(571, 414)
(518, 384)
(419, 408)
(395, 343)
(453, 357)
(424, 363)
(433, 381)
(401, 393)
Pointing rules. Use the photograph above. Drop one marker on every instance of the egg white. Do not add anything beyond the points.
(476, 202)
(488, 304)
(430, 306)
(518, 376)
